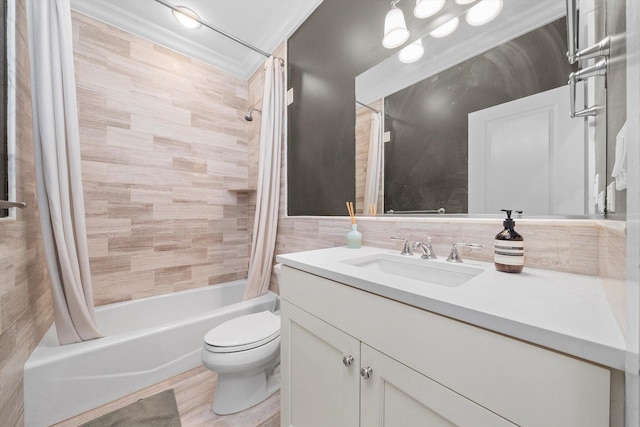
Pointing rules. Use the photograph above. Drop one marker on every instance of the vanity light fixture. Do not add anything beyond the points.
(446, 28)
(185, 17)
(483, 12)
(412, 52)
(464, 1)
(395, 28)
(427, 8)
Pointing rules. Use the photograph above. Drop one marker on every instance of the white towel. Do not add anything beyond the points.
(619, 172)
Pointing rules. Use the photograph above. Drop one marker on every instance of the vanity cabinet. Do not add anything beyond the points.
(422, 368)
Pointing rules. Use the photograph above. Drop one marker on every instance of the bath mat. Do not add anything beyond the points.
(159, 410)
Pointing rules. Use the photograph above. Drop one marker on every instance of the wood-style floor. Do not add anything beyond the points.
(194, 391)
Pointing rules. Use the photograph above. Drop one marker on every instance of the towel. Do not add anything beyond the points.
(619, 172)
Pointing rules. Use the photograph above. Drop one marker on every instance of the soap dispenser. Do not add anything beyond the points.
(509, 247)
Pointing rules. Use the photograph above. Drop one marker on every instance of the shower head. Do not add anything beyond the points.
(249, 116)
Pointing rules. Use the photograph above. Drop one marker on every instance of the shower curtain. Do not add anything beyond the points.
(374, 162)
(268, 192)
(57, 162)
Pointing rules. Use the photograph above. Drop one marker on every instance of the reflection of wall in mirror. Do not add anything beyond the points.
(616, 93)
(363, 136)
(426, 160)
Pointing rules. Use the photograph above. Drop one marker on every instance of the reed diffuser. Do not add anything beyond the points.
(354, 237)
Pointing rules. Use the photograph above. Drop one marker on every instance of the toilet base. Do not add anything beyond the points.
(237, 392)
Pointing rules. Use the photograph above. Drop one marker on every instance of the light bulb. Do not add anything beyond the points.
(395, 29)
(484, 12)
(464, 1)
(446, 28)
(412, 52)
(427, 8)
(185, 17)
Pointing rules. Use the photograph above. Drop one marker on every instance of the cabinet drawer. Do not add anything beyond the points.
(524, 383)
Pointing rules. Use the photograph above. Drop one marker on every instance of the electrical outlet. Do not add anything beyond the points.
(387, 136)
(290, 96)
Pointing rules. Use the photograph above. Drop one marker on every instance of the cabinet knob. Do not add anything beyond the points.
(366, 372)
(347, 360)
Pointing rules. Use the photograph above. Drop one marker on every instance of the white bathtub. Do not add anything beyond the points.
(146, 341)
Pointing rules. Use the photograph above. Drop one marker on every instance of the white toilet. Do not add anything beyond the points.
(245, 353)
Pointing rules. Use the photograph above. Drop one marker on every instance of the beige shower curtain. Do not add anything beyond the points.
(268, 194)
(57, 160)
(374, 161)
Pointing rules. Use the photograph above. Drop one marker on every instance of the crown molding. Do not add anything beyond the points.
(109, 14)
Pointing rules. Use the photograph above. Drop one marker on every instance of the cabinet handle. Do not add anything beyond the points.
(347, 360)
(366, 372)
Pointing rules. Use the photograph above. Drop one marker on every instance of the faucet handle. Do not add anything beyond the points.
(455, 257)
(406, 249)
(427, 249)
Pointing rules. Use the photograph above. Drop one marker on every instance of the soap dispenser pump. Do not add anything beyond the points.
(509, 247)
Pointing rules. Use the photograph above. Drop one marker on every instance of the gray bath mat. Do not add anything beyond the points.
(159, 410)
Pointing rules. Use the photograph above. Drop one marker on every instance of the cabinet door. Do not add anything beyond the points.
(395, 395)
(319, 386)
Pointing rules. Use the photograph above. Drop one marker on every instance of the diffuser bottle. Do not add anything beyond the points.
(509, 247)
(354, 237)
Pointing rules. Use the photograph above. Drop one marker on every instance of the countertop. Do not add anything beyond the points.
(565, 312)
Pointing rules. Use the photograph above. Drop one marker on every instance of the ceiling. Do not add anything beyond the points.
(261, 23)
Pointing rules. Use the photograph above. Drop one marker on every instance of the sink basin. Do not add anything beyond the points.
(416, 268)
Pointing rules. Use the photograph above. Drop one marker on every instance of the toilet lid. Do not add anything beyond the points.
(248, 331)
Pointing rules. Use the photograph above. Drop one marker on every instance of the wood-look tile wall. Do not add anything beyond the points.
(163, 138)
(25, 300)
(569, 248)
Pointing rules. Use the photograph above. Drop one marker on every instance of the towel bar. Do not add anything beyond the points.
(5, 204)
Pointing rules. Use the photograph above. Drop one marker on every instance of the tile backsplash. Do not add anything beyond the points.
(568, 246)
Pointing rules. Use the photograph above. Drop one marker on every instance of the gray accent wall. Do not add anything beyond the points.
(340, 40)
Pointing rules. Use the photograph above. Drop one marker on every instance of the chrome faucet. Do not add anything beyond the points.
(406, 249)
(427, 249)
(454, 256)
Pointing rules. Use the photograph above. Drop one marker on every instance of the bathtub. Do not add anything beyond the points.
(145, 341)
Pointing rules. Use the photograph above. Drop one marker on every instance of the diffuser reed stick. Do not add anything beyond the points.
(354, 237)
(351, 213)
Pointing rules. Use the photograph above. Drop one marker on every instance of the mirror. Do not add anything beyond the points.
(7, 125)
(481, 123)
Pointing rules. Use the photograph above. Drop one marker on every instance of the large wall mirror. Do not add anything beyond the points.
(7, 93)
(479, 123)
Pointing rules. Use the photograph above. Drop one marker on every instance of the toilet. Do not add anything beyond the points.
(245, 353)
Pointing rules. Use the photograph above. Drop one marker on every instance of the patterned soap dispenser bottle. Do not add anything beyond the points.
(509, 247)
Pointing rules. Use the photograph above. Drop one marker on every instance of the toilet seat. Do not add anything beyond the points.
(243, 333)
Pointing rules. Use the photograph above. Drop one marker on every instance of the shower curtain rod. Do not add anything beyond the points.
(366, 106)
(219, 31)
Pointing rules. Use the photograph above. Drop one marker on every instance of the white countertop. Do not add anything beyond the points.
(565, 312)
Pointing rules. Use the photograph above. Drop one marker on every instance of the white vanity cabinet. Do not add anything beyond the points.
(424, 368)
